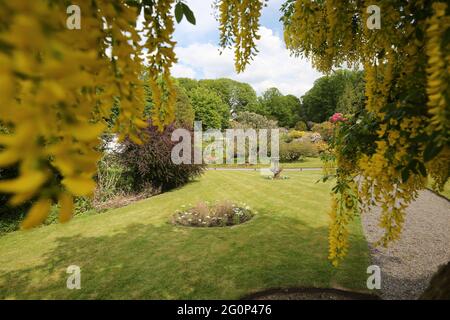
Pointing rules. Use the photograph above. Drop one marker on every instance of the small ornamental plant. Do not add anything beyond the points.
(276, 174)
(218, 214)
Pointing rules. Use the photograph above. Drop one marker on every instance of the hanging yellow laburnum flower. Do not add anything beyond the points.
(160, 26)
(406, 65)
(59, 85)
(438, 69)
(239, 24)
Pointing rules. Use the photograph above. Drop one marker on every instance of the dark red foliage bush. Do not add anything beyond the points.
(150, 164)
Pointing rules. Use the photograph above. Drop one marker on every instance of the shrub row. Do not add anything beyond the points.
(297, 150)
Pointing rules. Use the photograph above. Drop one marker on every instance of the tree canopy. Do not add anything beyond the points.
(209, 108)
(341, 91)
(251, 120)
(284, 109)
(184, 112)
(238, 96)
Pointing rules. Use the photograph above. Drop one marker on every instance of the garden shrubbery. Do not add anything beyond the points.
(288, 152)
(10, 217)
(112, 179)
(325, 129)
(301, 126)
(296, 145)
(247, 120)
(297, 150)
(149, 165)
(130, 173)
(295, 134)
(110, 183)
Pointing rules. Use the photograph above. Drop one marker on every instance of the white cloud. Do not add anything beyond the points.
(272, 67)
(205, 27)
(182, 71)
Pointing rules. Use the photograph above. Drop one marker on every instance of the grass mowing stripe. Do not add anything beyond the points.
(134, 252)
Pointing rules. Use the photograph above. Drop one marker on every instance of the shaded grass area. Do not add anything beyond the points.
(305, 163)
(444, 193)
(135, 253)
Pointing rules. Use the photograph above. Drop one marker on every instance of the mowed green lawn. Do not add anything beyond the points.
(135, 253)
(307, 162)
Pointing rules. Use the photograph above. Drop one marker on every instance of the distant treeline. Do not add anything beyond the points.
(216, 101)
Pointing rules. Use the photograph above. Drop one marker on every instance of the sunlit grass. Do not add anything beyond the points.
(134, 252)
(305, 163)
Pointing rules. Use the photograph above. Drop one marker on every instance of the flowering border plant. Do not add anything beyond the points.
(217, 214)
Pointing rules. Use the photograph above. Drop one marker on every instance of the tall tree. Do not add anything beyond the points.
(353, 98)
(238, 96)
(187, 83)
(250, 120)
(322, 100)
(184, 112)
(284, 109)
(209, 108)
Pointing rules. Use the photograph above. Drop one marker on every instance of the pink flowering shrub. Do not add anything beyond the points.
(337, 117)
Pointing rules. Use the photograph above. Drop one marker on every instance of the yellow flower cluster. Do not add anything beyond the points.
(438, 91)
(438, 69)
(438, 169)
(344, 207)
(315, 30)
(239, 24)
(406, 65)
(382, 184)
(59, 85)
(159, 26)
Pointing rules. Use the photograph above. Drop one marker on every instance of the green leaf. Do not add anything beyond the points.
(188, 13)
(431, 150)
(405, 175)
(422, 169)
(179, 12)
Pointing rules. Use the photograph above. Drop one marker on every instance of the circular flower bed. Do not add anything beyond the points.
(219, 214)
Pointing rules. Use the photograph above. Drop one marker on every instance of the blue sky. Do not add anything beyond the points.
(198, 53)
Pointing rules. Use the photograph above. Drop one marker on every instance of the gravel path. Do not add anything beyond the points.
(408, 264)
